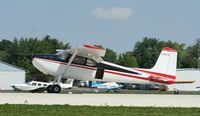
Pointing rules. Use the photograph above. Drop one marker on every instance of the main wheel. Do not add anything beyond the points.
(56, 88)
(50, 89)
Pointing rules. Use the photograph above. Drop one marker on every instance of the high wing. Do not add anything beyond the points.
(90, 51)
(96, 53)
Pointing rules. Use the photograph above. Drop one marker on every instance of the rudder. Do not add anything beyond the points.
(166, 62)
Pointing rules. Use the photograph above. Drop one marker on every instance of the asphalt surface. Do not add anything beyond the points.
(157, 100)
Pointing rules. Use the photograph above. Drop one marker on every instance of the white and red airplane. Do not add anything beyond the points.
(86, 63)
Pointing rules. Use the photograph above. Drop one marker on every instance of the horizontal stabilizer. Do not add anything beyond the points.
(183, 81)
(162, 80)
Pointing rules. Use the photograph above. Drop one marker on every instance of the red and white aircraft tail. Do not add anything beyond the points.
(166, 63)
(164, 70)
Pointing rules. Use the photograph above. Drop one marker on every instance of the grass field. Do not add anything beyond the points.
(67, 110)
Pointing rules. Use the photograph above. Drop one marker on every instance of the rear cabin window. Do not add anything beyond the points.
(39, 84)
(81, 60)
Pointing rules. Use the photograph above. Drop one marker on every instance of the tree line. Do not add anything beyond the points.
(144, 53)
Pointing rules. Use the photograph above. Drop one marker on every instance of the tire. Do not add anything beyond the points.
(50, 89)
(56, 88)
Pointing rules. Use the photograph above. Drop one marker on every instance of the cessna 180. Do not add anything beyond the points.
(86, 63)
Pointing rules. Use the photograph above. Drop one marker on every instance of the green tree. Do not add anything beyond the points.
(148, 50)
(15, 52)
(127, 59)
(4, 45)
(191, 57)
(110, 56)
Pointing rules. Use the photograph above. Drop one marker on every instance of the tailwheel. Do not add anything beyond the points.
(49, 89)
(56, 88)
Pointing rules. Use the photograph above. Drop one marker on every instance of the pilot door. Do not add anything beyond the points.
(99, 73)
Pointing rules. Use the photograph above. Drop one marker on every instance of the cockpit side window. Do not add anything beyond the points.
(34, 84)
(90, 62)
(79, 60)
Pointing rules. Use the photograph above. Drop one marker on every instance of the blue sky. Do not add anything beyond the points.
(115, 24)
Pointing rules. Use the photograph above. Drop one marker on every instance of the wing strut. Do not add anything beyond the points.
(55, 88)
(65, 69)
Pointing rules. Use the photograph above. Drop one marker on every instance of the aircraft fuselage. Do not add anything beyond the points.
(110, 73)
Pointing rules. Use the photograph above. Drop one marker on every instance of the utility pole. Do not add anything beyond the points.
(198, 55)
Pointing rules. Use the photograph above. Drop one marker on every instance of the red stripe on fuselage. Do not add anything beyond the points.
(142, 78)
(85, 67)
(156, 73)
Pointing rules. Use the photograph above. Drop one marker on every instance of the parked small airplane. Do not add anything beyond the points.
(141, 86)
(106, 86)
(83, 84)
(37, 86)
(86, 63)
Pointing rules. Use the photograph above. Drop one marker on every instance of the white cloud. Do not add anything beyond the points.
(115, 13)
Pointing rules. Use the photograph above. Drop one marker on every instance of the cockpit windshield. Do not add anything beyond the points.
(50, 57)
(62, 54)
(28, 83)
(65, 57)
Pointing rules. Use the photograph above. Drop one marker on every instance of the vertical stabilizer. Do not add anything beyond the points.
(166, 62)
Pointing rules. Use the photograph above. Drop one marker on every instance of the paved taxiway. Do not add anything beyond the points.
(102, 99)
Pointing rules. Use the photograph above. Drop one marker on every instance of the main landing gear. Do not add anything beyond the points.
(54, 88)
